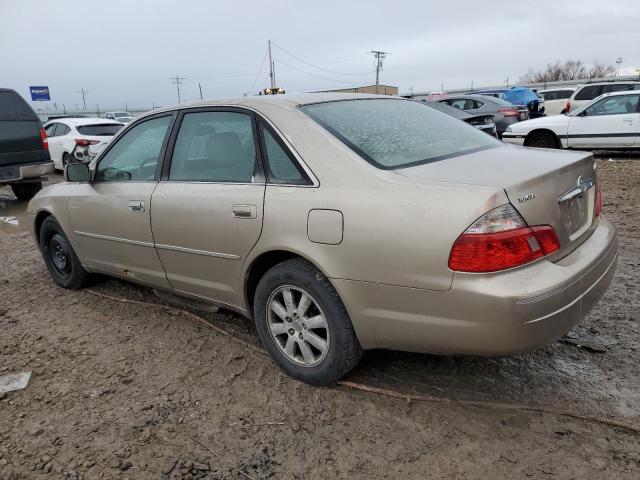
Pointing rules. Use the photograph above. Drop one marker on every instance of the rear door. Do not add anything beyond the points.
(207, 210)
(611, 122)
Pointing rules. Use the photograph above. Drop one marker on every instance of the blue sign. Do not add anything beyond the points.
(40, 94)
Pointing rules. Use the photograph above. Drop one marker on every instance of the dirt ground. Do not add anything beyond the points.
(123, 391)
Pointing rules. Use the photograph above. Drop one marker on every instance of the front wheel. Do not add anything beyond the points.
(26, 191)
(59, 257)
(304, 325)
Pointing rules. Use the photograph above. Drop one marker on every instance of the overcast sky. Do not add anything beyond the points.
(124, 51)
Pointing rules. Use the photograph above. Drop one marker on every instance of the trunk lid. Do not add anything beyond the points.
(547, 187)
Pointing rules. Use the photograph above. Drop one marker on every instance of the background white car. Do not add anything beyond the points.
(587, 92)
(610, 121)
(122, 117)
(65, 134)
(555, 99)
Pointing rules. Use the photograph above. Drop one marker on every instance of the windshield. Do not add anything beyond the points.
(394, 133)
(100, 130)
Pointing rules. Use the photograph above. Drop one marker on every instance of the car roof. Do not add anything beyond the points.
(286, 101)
(77, 122)
(624, 82)
(559, 88)
(620, 92)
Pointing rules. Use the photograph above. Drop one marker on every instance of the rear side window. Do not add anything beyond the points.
(214, 147)
(589, 93)
(617, 87)
(14, 108)
(557, 94)
(281, 168)
(393, 134)
(99, 130)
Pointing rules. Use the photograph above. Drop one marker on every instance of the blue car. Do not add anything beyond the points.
(518, 96)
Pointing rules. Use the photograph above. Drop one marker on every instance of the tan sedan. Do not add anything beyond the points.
(339, 223)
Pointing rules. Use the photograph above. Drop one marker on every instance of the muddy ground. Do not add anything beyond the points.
(123, 391)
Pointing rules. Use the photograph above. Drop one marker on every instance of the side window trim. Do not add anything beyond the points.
(306, 181)
(163, 174)
(122, 133)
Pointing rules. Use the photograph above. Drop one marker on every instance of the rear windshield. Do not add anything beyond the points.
(14, 108)
(100, 130)
(392, 133)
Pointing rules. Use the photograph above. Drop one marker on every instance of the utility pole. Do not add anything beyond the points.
(379, 59)
(272, 74)
(177, 81)
(84, 102)
(507, 80)
(200, 87)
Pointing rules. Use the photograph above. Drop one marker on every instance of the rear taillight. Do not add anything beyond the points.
(597, 208)
(508, 112)
(43, 137)
(81, 142)
(499, 240)
(567, 107)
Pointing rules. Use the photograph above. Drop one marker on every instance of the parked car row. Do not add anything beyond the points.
(611, 121)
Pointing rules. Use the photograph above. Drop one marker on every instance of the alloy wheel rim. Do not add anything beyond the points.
(298, 326)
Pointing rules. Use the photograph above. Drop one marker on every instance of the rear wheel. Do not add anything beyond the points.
(66, 159)
(541, 140)
(59, 257)
(304, 325)
(26, 191)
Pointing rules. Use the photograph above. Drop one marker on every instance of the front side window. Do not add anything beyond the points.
(281, 168)
(62, 130)
(135, 155)
(214, 147)
(50, 130)
(393, 133)
(622, 104)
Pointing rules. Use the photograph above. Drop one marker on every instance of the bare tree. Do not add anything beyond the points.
(567, 70)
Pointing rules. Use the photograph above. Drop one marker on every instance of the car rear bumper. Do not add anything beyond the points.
(21, 173)
(487, 314)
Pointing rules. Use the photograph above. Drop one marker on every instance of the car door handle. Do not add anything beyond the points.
(136, 206)
(244, 211)
(627, 120)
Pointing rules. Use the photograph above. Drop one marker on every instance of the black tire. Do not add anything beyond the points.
(66, 159)
(343, 352)
(541, 140)
(26, 191)
(59, 257)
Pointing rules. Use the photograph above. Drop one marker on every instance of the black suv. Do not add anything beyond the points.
(24, 151)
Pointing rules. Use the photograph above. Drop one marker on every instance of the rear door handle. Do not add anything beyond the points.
(136, 206)
(244, 211)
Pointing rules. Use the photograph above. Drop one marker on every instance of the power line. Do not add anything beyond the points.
(266, 52)
(317, 76)
(379, 59)
(316, 66)
(177, 81)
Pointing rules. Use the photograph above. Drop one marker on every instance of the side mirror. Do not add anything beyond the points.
(77, 172)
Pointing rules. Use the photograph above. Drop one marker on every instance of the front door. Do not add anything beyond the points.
(110, 216)
(207, 211)
(608, 123)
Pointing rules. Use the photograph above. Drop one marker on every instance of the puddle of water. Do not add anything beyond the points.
(10, 220)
